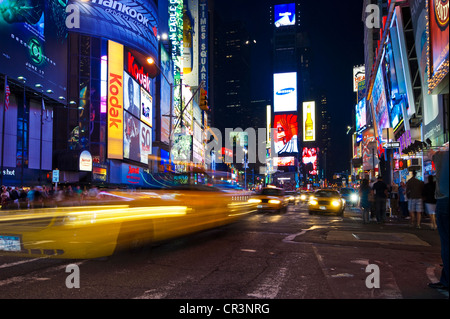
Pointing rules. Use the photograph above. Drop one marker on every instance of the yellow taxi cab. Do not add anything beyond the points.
(270, 199)
(326, 201)
(114, 221)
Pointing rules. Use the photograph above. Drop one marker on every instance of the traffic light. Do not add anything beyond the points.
(203, 103)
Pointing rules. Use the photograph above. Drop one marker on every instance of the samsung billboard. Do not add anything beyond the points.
(285, 92)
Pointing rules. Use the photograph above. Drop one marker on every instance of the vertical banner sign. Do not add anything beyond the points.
(115, 100)
(438, 18)
(176, 42)
(203, 43)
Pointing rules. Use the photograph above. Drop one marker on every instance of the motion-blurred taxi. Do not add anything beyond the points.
(326, 201)
(270, 199)
(115, 221)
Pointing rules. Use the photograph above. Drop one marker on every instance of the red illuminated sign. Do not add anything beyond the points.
(131, 178)
(138, 72)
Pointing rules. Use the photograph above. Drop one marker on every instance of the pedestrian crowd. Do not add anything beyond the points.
(44, 196)
(411, 200)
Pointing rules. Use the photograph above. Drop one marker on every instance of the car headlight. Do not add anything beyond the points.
(354, 198)
(336, 203)
(274, 201)
(291, 197)
(313, 202)
(254, 201)
(303, 197)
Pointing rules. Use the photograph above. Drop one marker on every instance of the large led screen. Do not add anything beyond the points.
(146, 107)
(309, 160)
(361, 117)
(284, 161)
(34, 43)
(395, 99)
(133, 23)
(131, 142)
(284, 14)
(285, 92)
(438, 41)
(309, 121)
(286, 133)
(131, 95)
(379, 103)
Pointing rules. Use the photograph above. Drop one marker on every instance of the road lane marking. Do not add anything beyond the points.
(271, 285)
(18, 263)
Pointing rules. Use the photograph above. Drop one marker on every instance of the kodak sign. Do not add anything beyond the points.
(115, 100)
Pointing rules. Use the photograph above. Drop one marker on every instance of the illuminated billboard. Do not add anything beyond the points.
(132, 22)
(438, 11)
(115, 100)
(34, 43)
(286, 133)
(361, 117)
(145, 142)
(131, 95)
(309, 160)
(284, 14)
(285, 92)
(309, 121)
(378, 104)
(284, 161)
(146, 107)
(131, 143)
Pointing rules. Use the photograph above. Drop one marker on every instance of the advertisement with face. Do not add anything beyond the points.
(369, 147)
(131, 95)
(145, 137)
(34, 43)
(284, 14)
(286, 133)
(285, 92)
(309, 159)
(146, 107)
(131, 140)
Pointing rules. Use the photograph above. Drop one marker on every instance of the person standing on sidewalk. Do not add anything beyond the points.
(380, 190)
(403, 200)
(364, 192)
(429, 200)
(440, 160)
(414, 189)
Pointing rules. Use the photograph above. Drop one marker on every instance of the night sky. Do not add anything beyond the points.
(335, 29)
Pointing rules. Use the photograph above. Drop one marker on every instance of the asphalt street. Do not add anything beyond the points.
(265, 256)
